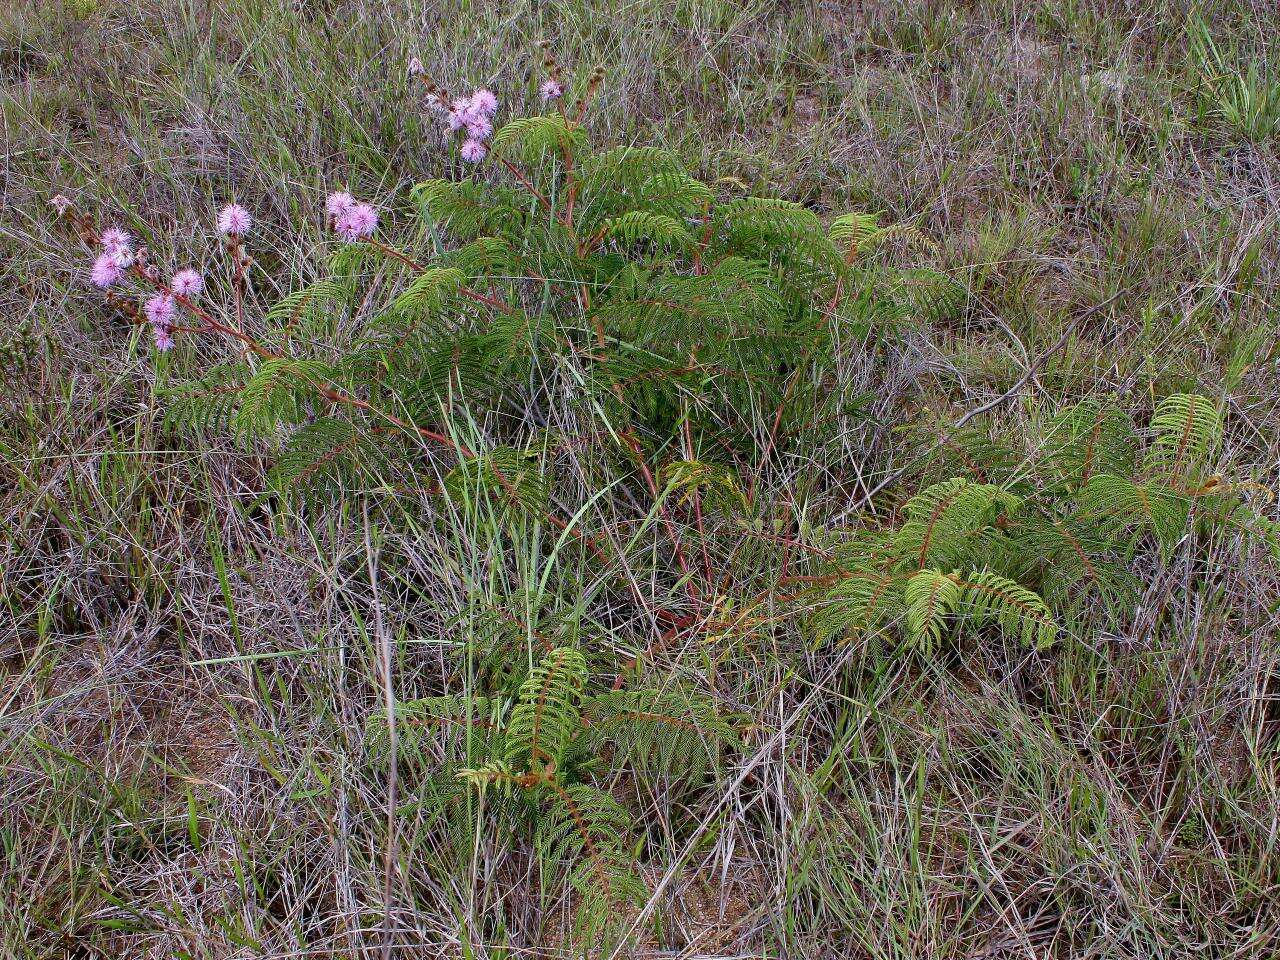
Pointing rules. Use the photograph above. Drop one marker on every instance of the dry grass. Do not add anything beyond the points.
(188, 668)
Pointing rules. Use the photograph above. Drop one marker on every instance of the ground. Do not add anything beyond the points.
(188, 667)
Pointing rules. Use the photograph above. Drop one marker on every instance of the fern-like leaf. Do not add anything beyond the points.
(429, 290)
(1185, 428)
(1094, 436)
(1119, 501)
(852, 232)
(546, 716)
(296, 308)
(531, 138)
(581, 834)
(510, 477)
(206, 404)
(931, 597)
(949, 522)
(861, 600)
(1019, 612)
(670, 734)
(641, 226)
(323, 455)
(468, 209)
(277, 394)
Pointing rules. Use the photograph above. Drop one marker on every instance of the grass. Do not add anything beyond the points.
(191, 667)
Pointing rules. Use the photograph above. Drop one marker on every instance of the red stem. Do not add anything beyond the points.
(524, 181)
(466, 291)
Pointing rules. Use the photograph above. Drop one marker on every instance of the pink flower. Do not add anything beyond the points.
(60, 203)
(164, 339)
(484, 102)
(473, 151)
(479, 128)
(459, 113)
(339, 203)
(234, 220)
(107, 270)
(186, 283)
(160, 310)
(360, 221)
(115, 240)
(416, 69)
(551, 90)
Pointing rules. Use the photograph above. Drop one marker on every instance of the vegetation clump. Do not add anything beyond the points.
(532, 534)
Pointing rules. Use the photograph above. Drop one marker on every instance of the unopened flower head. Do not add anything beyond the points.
(473, 151)
(186, 283)
(234, 220)
(160, 310)
(551, 90)
(338, 203)
(106, 270)
(114, 240)
(484, 102)
(358, 222)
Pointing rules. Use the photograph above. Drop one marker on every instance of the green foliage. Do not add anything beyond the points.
(304, 311)
(209, 403)
(539, 754)
(1093, 436)
(508, 477)
(1184, 430)
(548, 711)
(930, 295)
(715, 485)
(571, 323)
(321, 455)
(1113, 798)
(672, 305)
(280, 391)
(671, 734)
(949, 523)
(530, 138)
(1241, 91)
(972, 555)
(428, 291)
(467, 208)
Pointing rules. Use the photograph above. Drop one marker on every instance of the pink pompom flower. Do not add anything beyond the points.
(484, 102)
(357, 223)
(234, 220)
(114, 240)
(186, 283)
(551, 90)
(459, 113)
(160, 310)
(338, 203)
(479, 128)
(164, 339)
(107, 269)
(473, 151)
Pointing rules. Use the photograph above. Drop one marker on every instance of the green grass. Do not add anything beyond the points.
(191, 667)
